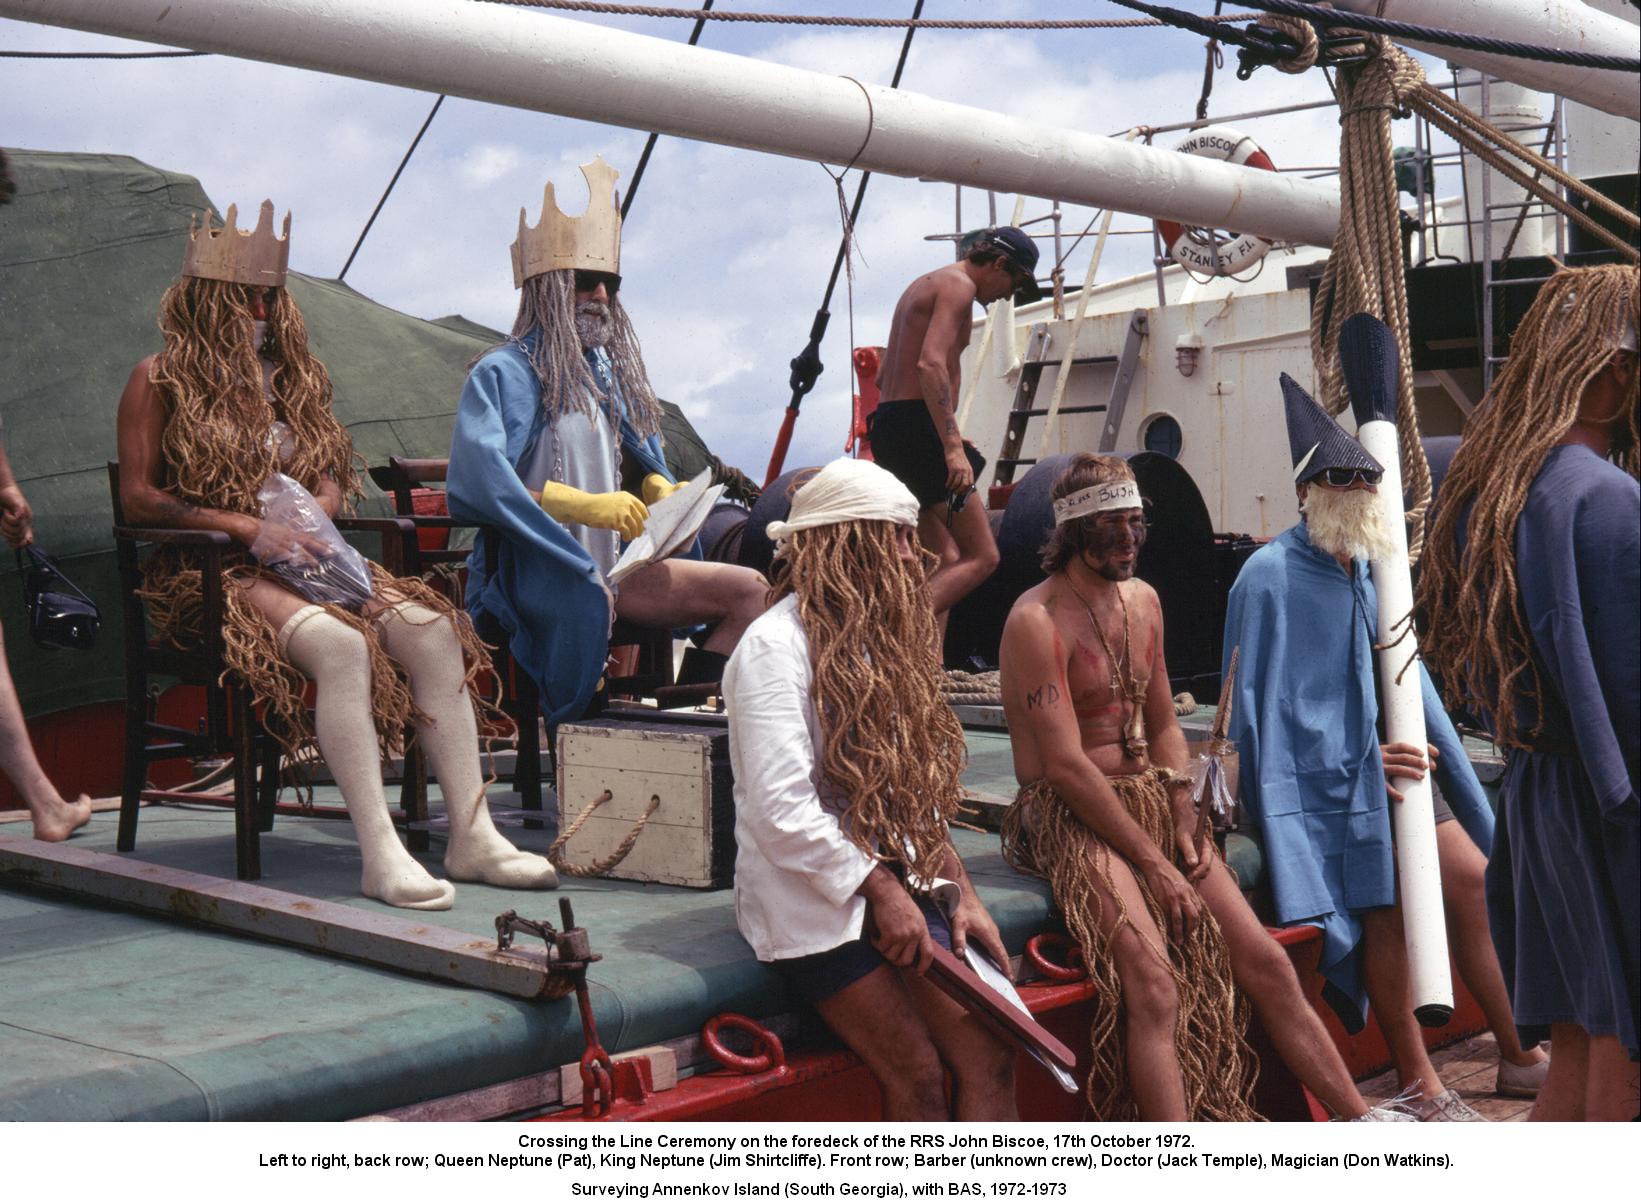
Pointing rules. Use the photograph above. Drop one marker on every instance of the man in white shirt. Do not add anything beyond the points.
(847, 766)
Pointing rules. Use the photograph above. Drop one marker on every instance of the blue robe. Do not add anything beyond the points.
(545, 591)
(1304, 718)
(1564, 882)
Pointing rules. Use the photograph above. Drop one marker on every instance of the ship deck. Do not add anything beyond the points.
(114, 1015)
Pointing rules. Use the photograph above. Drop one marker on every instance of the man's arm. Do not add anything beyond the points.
(970, 916)
(953, 302)
(1168, 748)
(16, 518)
(1036, 698)
(140, 426)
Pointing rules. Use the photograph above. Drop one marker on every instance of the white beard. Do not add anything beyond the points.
(593, 324)
(1347, 523)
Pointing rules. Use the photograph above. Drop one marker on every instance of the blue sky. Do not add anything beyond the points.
(726, 251)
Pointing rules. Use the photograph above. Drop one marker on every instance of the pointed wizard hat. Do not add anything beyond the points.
(1316, 440)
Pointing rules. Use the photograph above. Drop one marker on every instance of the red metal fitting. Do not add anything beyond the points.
(771, 1055)
(1072, 970)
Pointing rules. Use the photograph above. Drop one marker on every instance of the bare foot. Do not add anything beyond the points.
(488, 858)
(405, 884)
(55, 819)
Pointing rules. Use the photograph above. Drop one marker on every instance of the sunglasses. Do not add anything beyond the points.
(588, 281)
(1345, 477)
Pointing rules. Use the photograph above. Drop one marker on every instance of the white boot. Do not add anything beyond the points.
(335, 657)
(427, 648)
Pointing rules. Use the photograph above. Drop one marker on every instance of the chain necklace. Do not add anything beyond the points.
(1133, 735)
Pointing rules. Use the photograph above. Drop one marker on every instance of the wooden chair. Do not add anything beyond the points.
(231, 724)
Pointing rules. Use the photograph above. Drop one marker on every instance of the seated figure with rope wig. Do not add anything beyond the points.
(557, 452)
(232, 418)
(1172, 945)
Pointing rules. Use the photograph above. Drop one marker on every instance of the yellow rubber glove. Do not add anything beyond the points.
(656, 487)
(619, 511)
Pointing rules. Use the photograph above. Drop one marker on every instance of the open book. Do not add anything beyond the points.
(673, 523)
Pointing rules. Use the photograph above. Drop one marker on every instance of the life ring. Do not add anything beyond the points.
(1194, 249)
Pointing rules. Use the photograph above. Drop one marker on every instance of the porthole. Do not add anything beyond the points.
(1161, 435)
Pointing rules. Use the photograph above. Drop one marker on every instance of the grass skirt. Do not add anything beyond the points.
(1043, 837)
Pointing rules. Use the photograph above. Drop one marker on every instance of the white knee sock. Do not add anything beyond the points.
(334, 656)
(427, 648)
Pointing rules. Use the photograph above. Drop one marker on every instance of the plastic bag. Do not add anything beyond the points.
(1214, 783)
(299, 544)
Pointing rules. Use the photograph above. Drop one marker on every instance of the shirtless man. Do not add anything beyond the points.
(1103, 814)
(914, 431)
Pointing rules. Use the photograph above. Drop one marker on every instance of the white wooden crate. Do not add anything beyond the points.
(690, 839)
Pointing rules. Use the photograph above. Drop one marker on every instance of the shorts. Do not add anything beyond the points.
(814, 978)
(904, 443)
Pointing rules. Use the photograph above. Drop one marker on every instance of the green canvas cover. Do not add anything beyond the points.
(88, 244)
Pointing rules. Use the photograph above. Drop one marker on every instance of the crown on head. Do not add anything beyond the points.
(590, 242)
(229, 253)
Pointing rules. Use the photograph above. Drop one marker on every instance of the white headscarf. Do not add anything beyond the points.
(847, 490)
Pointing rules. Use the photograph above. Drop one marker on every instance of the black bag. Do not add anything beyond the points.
(59, 614)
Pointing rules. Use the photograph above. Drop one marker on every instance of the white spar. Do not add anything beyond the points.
(1559, 24)
(1430, 978)
(527, 59)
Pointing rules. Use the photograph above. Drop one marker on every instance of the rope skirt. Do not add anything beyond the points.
(1042, 837)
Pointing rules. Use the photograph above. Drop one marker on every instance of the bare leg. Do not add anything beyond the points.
(981, 1064)
(977, 555)
(1150, 1001)
(1385, 973)
(876, 1019)
(1264, 972)
(683, 592)
(425, 645)
(1462, 867)
(938, 541)
(1566, 1087)
(54, 818)
(1614, 1082)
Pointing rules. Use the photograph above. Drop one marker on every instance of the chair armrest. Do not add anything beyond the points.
(214, 538)
(400, 554)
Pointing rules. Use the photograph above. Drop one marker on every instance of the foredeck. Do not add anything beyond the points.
(110, 1015)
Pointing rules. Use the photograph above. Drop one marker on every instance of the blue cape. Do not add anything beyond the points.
(1303, 716)
(545, 591)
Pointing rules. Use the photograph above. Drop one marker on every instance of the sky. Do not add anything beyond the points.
(726, 252)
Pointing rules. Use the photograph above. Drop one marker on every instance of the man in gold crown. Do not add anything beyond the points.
(557, 448)
(233, 404)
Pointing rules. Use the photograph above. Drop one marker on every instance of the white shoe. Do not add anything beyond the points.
(1386, 1113)
(1445, 1106)
(1521, 1080)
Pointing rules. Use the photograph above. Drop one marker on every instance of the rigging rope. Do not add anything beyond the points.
(1329, 18)
(104, 54)
(1315, 14)
(649, 142)
(752, 18)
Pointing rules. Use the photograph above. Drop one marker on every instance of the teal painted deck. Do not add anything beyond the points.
(106, 1015)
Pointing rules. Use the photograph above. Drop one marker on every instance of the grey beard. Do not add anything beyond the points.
(593, 324)
(1347, 523)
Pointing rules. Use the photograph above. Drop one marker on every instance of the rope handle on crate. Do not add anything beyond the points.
(600, 866)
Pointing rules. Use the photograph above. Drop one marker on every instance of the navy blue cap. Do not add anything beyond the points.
(1316, 440)
(1012, 244)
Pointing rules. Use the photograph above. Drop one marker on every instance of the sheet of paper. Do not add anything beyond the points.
(673, 523)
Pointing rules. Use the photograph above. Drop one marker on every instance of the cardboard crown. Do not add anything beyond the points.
(230, 254)
(590, 242)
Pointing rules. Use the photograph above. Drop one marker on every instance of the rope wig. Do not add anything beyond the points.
(893, 745)
(1042, 837)
(217, 454)
(1481, 644)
